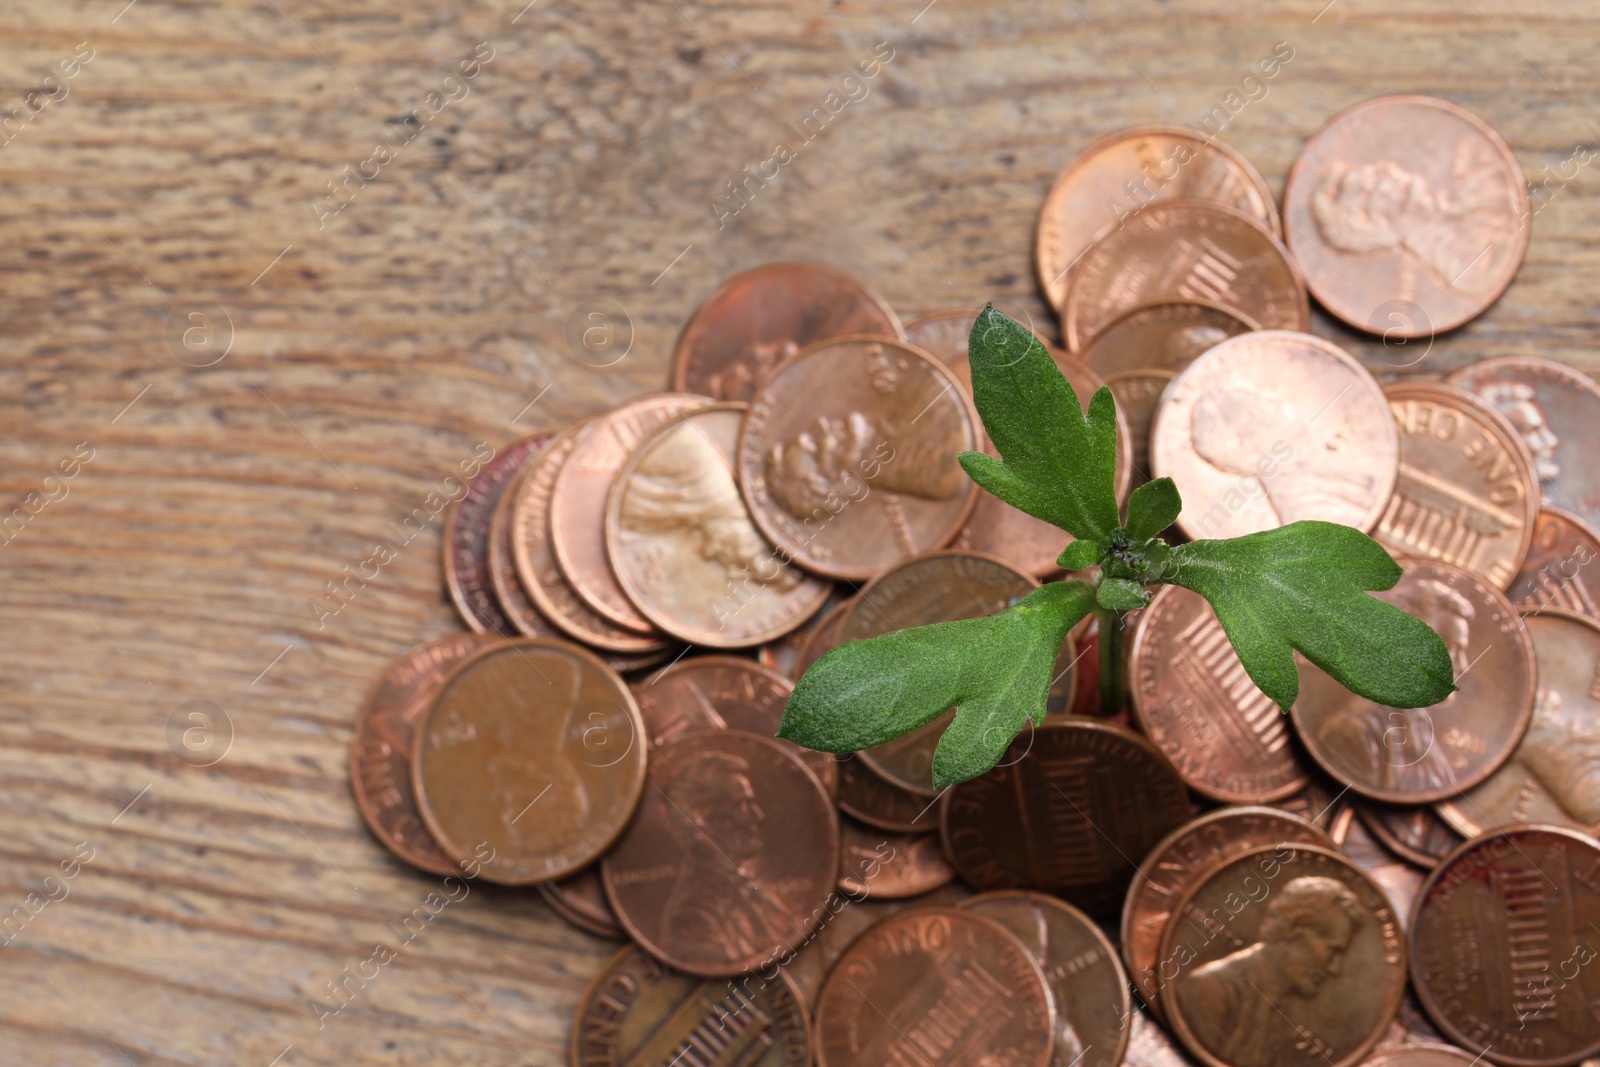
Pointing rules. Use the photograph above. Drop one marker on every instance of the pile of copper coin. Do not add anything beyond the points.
(1200, 879)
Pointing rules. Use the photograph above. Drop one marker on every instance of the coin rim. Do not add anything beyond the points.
(571, 914)
(535, 444)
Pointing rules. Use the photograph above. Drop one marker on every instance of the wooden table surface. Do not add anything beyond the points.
(184, 168)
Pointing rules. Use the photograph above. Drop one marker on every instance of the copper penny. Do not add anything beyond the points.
(756, 320)
(935, 986)
(1502, 942)
(1553, 575)
(578, 500)
(824, 636)
(734, 844)
(682, 545)
(1081, 966)
(783, 654)
(1319, 803)
(1166, 336)
(1466, 494)
(889, 866)
(1173, 865)
(1150, 1045)
(535, 748)
(996, 527)
(848, 456)
(1272, 427)
(1114, 179)
(640, 1011)
(1417, 755)
(1138, 395)
(1285, 956)
(525, 511)
(869, 796)
(1398, 879)
(1416, 834)
(581, 900)
(719, 693)
(465, 540)
(1554, 408)
(1192, 697)
(385, 738)
(1406, 204)
(1421, 1055)
(1184, 250)
(937, 587)
(1071, 810)
(1554, 775)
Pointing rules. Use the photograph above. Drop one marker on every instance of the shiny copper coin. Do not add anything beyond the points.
(937, 587)
(682, 545)
(1467, 493)
(1071, 810)
(1421, 1055)
(639, 1011)
(784, 654)
(1138, 395)
(719, 693)
(1081, 966)
(1121, 173)
(1417, 755)
(889, 866)
(1408, 214)
(465, 540)
(756, 320)
(1184, 250)
(1192, 697)
(533, 748)
(735, 844)
(1414, 833)
(1286, 956)
(385, 738)
(1554, 408)
(525, 512)
(1272, 427)
(935, 986)
(581, 900)
(996, 527)
(1398, 879)
(1554, 775)
(578, 500)
(1172, 867)
(1164, 336)
(869, 796)
(1502, 946)
(848, 456)
(1556, 572)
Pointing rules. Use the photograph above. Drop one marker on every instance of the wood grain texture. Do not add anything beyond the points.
(371, 354)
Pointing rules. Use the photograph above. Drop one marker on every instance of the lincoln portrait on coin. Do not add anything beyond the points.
(1247, 1009)
(522, 768)
(1518, 402)
(1560, 754)
(718, 906)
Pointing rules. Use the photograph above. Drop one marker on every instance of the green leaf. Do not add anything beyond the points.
(1152, 508)
(1121, 594)
(1056, 463)
(995, 671)
(1301, 587)
(1078, 555)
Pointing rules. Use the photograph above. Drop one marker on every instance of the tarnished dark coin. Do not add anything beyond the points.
(1414, 833)
(1192, 697)
(1554, 775)
(889, 866)
(581, 900)
(1503, 946)
(756, 320)
(935, 986)
(1166, 336)
(869, 796)
(1081, 966)
(734, 846)
(385, 739)
(1556, 572)
(1173, 865)
(464, 542)
(937, 587)
(1071, 809)
(1417, 755)
(1285, 956)
(640, 1011)
(534, 748)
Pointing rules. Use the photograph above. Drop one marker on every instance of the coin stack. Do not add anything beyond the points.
(1203, 880)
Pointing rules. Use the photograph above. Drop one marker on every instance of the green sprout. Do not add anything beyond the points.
(1302, 587)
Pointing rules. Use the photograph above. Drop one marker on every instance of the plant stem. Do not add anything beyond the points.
(1113, 663)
